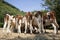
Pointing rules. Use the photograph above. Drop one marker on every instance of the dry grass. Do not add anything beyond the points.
(15, 36)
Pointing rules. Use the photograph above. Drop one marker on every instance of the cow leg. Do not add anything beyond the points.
(31, 28)
(16, 22)
(39, 25)
(56, 23)
(43, 28)
(5, 24)
(8, 26)
(55, 28)
(11, 28)
(36, 29)
(25, 26)
(19, 27)
(42, 25)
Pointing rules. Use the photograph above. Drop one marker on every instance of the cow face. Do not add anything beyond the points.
(38, 13)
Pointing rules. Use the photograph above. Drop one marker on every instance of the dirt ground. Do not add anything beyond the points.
(16, 36)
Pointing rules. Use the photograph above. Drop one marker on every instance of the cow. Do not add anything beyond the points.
(28, 21)
(50, 19)
(11, 22)
(7, 22)
(38, 22)
(19, 20)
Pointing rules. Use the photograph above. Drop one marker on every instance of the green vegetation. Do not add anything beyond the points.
(7, 8)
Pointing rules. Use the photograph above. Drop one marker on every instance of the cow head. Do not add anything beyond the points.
(29, 15)
(37, 13)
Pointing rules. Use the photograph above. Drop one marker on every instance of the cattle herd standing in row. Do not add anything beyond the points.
(33, 22)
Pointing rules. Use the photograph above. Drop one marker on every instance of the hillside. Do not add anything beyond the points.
(8, 8)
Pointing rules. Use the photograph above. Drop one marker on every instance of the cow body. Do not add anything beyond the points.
(38, 21)
(7, 22)
(28, 22)
(19, 22)
(12, 22)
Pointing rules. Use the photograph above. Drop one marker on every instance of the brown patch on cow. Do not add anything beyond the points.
(44, 17)
(13, 24)
(18, 17)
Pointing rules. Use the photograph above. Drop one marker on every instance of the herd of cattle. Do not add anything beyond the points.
(34, 22)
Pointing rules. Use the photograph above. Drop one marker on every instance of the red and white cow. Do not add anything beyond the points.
(7, 22)
(49, 18)
(28, 21)
(11, 21)
(19, 20)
